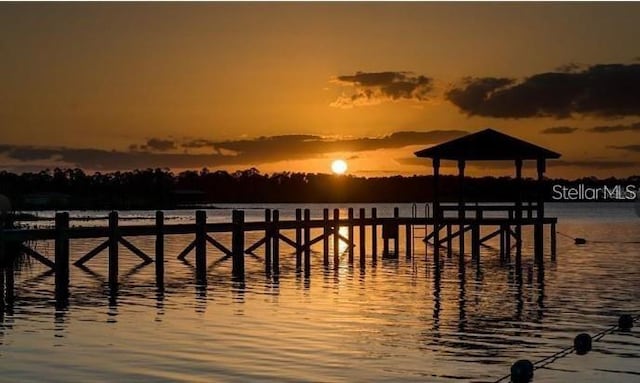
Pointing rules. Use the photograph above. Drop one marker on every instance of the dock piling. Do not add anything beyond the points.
(325, 242)
(159, 262)
(237, 244)
(298, 240)
(374, 236)
(268, 239)
(61, 255)
(276, 242)
(113, 250)
(350, 234)
(336, 238)
(396, 238)
(307, 244)
(363, 250)
(201, 247)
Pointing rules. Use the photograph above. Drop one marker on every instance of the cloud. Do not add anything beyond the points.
(635, 127)
(559, 130)
(369, 88)
(611, 90)
(635, 148)
(253, 152)
(160, 145)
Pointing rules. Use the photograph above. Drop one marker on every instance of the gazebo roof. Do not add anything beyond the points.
(487, 145)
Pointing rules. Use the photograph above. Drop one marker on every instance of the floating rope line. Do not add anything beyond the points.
(582, 241)
(522, 370)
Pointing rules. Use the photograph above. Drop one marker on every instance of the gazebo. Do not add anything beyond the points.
(489, 145)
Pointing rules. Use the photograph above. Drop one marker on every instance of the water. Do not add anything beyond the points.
(399, 321)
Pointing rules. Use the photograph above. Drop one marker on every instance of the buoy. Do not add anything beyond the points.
(580, 241)
(522, 371)
(582, 344)
(625, 322)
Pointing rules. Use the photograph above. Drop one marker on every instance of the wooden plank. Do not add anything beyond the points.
(288, 241)
(37, 256)
(316, 240)
(256, 245)
(489, 236)
(141, 254)
(98, 249)
(218, 245)
(346, 240)
(187, 250)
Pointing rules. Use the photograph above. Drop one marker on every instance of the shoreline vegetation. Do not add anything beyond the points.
(162, 189)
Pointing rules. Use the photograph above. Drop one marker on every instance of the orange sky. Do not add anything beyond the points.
(112, 86)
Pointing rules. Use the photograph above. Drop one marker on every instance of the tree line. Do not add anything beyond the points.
(161, 188)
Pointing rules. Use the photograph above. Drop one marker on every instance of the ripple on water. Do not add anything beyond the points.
(399, 321)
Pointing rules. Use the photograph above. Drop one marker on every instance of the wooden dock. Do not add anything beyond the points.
(300, 234)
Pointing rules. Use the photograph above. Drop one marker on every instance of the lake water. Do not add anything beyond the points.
(399, 321)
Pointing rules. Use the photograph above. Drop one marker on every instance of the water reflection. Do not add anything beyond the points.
(395, 320)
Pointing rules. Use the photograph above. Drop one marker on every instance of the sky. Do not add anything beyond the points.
(293, 86)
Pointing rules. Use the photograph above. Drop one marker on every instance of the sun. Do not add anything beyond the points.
(339, 166)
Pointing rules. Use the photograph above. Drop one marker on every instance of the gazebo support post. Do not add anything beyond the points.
(518, 214)
(461, 205)
(436, 211)
(539, 228)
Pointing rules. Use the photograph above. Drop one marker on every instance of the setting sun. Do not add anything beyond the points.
(339, 166)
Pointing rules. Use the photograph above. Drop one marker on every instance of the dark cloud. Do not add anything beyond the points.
(160, 145)
(611, 90)
(238, 152)
(630, 148)
(375, 87)
(615, 128)
(559, 130)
